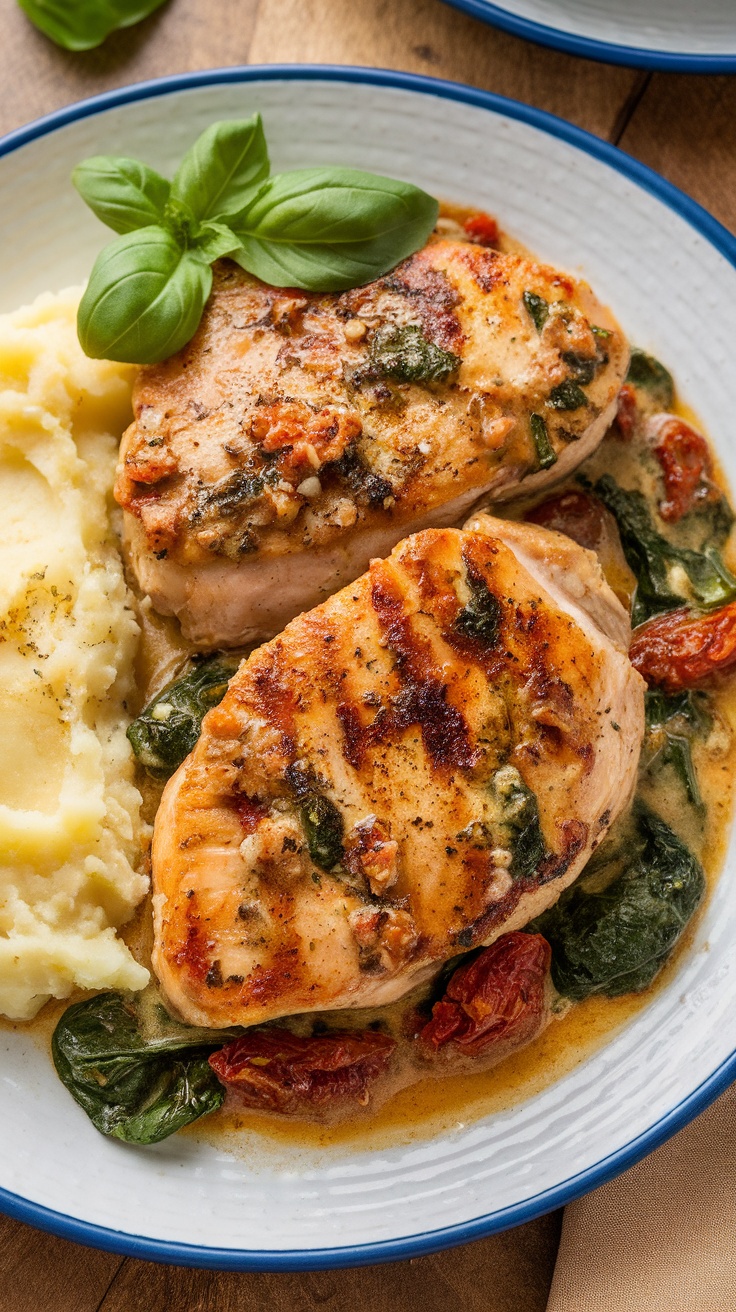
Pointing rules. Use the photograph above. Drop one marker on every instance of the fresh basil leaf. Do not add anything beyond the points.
(83, 24)
(144, 299)
(132, 1087)
(221, 172)
(328, 229)
(215, 240)
(123, 193)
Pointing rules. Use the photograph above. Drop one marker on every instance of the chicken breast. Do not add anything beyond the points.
(418, 765)
(298, 435)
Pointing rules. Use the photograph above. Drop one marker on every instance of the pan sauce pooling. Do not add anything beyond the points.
(297, 806)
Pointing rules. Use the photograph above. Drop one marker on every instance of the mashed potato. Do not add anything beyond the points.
(71, 837)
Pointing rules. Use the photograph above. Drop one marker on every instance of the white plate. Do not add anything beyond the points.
(668, 270)
(695, 36)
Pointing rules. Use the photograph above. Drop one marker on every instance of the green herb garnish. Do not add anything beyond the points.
(545, 451)
(614, 929)
(324, 827)
(650, 557)
(537, 308)
(521, 831)
(480, 617)
(648, 373)
(406, 355)
(167, 730)
(84, 24)
(132, 1087)
(672, 723)
(320, 229)
(567, 395)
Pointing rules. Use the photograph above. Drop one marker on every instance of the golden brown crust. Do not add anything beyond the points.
(420, 702)
(275, 432)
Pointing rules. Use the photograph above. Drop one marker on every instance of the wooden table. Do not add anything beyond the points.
(683, 126)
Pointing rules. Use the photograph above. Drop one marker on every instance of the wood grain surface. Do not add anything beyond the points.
(683, 126)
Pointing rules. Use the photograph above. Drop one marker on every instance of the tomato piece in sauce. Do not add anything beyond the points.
(498, 997)
(275, 1070)
(482, 229)
(679, 650)
(687, 467)
(627, 412)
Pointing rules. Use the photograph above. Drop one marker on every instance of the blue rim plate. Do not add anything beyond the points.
(557, 38)
(707, 1090)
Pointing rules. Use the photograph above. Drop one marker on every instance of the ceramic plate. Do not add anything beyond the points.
(696, 36)
(667, 269)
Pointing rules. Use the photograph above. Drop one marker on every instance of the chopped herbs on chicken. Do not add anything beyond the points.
(324, 827)
(406, 355)
(567, 395)
(583, 368)
(538, 309)
(545, 451)
(615, 928)
(521, 832)
(166, 730)
(480, 617)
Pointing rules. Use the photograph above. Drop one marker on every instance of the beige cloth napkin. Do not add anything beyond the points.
(662, 1237)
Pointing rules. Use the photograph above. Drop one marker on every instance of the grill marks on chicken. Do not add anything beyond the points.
(298, 435)
(418, 765)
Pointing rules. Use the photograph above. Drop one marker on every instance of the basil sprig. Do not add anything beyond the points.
(321, 229)
(84, 24)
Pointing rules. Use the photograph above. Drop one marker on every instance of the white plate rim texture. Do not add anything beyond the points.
(667, 49)
(407, 1202)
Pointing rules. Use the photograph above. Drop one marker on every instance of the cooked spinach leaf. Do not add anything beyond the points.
(614, 937)
(567, 395)
(650, 556)
(583, 368)
(537, 308)
(406, 355)
(324, 827)
(545, 451)
(132, 1087)
(521, 831)
(480, 617)
(649, 374)
(167, 730)
(672, 722)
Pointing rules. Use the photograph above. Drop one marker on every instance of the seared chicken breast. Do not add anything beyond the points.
(420, 764)
(299, 435)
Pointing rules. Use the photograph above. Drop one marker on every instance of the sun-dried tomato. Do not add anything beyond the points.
(277, 1071)
(687, 467)
(578, 514)
(498, 997)
(627, 412)
(482, 229)
(678, 650)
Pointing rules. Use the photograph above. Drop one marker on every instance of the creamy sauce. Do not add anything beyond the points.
(433, 1105)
